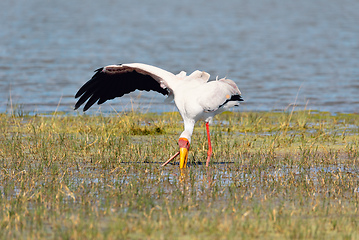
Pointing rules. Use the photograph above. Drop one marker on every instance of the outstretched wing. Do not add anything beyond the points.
(116, 80)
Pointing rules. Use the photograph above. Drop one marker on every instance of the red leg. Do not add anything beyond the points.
(209, 153)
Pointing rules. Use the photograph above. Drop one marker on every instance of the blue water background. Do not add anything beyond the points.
(279, 52)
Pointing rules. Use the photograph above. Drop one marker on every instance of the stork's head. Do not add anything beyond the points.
(184, 148)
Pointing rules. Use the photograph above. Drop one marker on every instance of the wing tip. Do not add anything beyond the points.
(77, 106)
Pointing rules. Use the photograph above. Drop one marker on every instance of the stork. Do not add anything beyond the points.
(195, 96)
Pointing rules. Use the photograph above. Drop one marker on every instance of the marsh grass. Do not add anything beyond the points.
(273, 175)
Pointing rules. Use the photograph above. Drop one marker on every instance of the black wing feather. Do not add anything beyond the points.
(104, 86)
(235, 97)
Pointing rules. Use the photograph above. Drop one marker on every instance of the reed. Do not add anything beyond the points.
(273, 175)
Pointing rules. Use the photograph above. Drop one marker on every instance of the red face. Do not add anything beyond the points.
(184, 147)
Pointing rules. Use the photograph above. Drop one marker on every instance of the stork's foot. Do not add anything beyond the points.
(171, 158)
(208, 160)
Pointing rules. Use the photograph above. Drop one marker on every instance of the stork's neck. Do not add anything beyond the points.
(188, 129)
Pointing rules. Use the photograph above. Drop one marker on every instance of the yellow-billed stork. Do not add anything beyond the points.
(195, 97)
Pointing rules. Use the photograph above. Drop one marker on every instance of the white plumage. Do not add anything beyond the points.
(195, 96)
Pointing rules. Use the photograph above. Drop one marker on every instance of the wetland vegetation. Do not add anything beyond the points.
(284, 175)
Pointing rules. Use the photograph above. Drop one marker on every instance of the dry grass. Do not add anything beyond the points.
(273, 175)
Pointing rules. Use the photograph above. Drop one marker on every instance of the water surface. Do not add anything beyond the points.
(279, 52)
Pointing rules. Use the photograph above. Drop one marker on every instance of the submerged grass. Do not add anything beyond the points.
(273, 175)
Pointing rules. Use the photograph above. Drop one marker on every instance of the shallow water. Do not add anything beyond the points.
(278, 52)
(220, 174)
